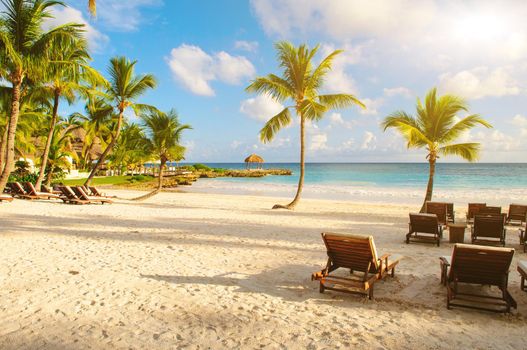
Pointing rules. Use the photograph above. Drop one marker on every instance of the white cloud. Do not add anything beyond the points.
(318, 142)
(337, 79)
(124, 15)
(261, 107)
(372, 106)
(250, 46)
(335, 119)
(369, 141)
(63, 15)
(480, 82)
(398, 91)
(195, 69)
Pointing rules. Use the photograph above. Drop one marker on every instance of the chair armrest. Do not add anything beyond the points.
(444, 270)
(444, 261)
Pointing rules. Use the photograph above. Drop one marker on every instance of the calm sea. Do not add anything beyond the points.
(498, 183)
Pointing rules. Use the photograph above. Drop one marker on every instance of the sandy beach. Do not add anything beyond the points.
(198, 271)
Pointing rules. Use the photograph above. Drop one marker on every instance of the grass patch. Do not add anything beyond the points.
(109, 180)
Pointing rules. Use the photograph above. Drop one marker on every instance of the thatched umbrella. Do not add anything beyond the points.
(254, 158)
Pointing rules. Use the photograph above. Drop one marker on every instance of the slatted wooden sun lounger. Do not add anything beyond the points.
(477, 265)
(47, 189)
(473, 209)
(517, 214)
(358, 254)
(39, 195)
(489, 229)
(424, 227)
(18, 191)
(95, 192)
(440, 209)
(68, 196)
(79, 191)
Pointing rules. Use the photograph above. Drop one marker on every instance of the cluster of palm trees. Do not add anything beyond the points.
(40, 69)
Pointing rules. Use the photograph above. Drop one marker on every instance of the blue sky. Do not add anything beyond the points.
(205, 53)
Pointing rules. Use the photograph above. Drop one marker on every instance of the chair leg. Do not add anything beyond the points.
(393, 271)
(522, 283)
(370, 293)
(321, 288)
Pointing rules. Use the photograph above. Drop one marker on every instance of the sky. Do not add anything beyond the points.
(205, 53)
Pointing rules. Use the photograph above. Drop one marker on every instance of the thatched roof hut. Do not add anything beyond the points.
(254, 159)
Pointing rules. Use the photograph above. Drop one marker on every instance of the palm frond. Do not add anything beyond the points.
(335, 101)
(274, 124)
(467, 151)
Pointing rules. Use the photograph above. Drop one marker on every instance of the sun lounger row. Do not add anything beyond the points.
(468, 264)
(73, 195)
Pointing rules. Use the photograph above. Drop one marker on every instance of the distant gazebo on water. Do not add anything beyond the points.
(254, 159)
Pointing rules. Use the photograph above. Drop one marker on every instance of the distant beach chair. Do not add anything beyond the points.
(517, 212)
(81, 194)
(95, 192)
(32, 191)
(477, 265)
(489, 229)
(440, 209)
(358, 254)
(522, 269)
(427, 224)
(18, 191)
(4, 197)
(47, 189)
(68, 196)
(473, 209)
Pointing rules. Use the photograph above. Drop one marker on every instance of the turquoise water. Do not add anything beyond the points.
(400, 175)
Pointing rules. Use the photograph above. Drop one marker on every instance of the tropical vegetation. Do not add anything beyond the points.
(436, 126)
(301, 83)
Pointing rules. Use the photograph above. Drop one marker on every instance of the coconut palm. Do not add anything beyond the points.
(300, 82)
(130, 147)
(60, 153)
(436, 127)
(65, 72)
(124, 89)
(23, 50)
(164, 132)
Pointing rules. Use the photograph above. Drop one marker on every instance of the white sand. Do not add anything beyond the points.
(190, 270)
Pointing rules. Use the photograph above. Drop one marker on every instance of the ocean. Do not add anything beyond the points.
(495, 183)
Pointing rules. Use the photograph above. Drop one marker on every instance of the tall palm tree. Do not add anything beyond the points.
(300, 82)
(60, 153)
(23, 48)
(96, 123)
(67, 68)
(124, 89)
(164, 132)
(436, 127)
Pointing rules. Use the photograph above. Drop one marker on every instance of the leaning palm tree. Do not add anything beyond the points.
(436, 127)
(67, 69)
(61, 153)
(23, 48)
(125, 87)
(300, 83)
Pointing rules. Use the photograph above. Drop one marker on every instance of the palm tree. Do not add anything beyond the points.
(436, 127)
(23, 48)
(125, 87)
(67, 68)
(300, 82)
(60, 153)
(96, 123)
(130, 147)
(163, 139)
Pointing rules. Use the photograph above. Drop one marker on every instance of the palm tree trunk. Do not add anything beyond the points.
(159, 184)
(3, 142)
(295, 201)
(13, 121)
(430, 186)
(45, 155)
(105, 153)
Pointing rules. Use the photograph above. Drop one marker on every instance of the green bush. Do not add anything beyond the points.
(137, 178)
(202, 167)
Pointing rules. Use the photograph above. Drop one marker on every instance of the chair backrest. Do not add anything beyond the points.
(356, 252)
(517, 212)
(424, 223)
(79, 191)
(17, 187)
(95, 191)
(480, 264)
(489, 225)
(31, 188)
(440, 209)
(68, 192)
(474, 208)
(490, 210)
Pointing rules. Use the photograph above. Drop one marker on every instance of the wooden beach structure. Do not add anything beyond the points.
(254, 159)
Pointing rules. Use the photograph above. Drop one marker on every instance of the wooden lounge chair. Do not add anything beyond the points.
(18, 191)
(489, 229)
(477, 265)
(31, 190)
(522, 269)
(440, 209)
(79, 191)
(490, 210)
(5, 197)
(517, 214)
(68, 196)
(424, 224)
(47, 189)
(358, 254)
(473, 209)
(95, 192)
